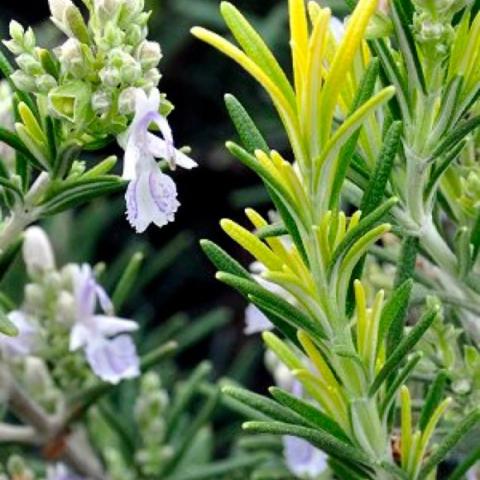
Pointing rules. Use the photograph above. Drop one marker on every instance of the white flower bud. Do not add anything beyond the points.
(34, 297)
(149, 54)
(22, 81)
(16, 31)
(29, 40)
(114, 36)
(29, 65)
(135, 34)
(126, 101)
(152, 77)
(71, 57)
(107, 8)
(101, 102)
(58, 8)
(131, 72)
(37, 377)
(13, 46)
(134, 7)
(45, 83)
(110, 77)
(37, 252)
(66, 308)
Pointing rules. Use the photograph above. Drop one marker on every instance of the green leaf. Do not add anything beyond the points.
(434, 398)
(393, 74)
(400, 380)
(74, 193)
(202, 417)
(407, 45)
(8, 256)
(185, 395)
(8, 137)
(449, 442)
(7, 327)
(314, 417)
(455, 137)
(290, 223)
(365, 225)
(406, 263)
(221, 469)
(365, 91)
(465, 465)
(270, 302)
(442, 167)
(222, 260)
(264, 405)
(394, 312)
(404, 347)
(326, 442)
(203, 327)
(374, 194)
(254, 46)
(276, 230)
(127, 280)
(249, 134)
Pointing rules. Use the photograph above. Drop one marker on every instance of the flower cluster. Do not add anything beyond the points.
(89, 81)
(59, 317)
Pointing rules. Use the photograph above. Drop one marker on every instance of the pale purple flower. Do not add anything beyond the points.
(256, 321)
(93, 331)
(24, 343)
(302, 458)
(151, 195)
(61, 472)
(113, 360)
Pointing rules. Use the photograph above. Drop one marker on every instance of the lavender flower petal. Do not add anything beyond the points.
(303, 459)
(113, 360)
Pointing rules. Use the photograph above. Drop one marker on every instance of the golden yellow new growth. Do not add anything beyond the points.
(252, 244)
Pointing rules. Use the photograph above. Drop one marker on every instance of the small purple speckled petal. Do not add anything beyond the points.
(113, 360)
(164, 195)
(24, 343)
(302, 459)
(255, 321)
(152, 198)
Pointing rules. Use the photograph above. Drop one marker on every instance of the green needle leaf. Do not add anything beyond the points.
(404, 347)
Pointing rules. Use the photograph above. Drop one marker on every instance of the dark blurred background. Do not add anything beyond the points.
(195, 78)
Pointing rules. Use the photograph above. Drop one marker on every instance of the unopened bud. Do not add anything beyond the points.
(106, 9)
(114, 36)
(101, 102)
(36, 376)
(126, 101)
(37, 252)
(152, 77)
(71, 57)
(149, 54)
(16, 31)
(45, 83)
(29, 64)
(110, 77)
(24, 82)
(135, 34)
(66, 309)
(131, 72)
(58, 8)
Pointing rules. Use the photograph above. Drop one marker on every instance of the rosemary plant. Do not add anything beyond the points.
(377, 121)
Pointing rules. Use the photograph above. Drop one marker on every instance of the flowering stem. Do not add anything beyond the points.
(44, 429)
